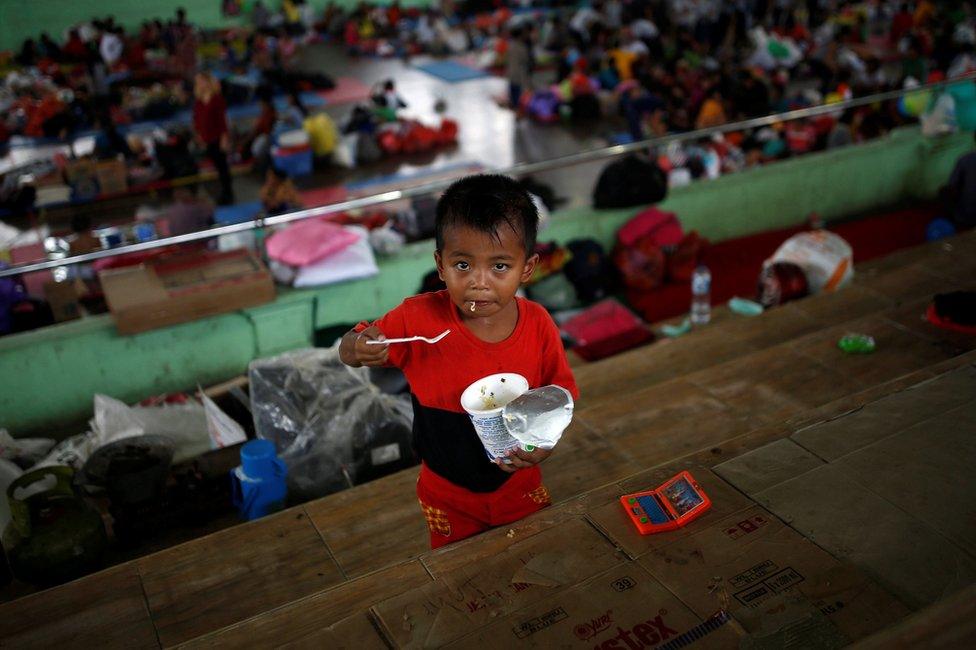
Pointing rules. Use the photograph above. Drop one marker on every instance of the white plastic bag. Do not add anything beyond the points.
(73, 451)
(826, 259)
(9, 472)
(224, 431)
(345, 152)
(190, 426)
(28, 450)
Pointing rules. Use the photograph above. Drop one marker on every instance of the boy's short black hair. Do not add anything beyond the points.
(484, 202)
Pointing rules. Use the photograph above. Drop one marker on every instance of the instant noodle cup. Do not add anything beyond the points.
(484, 401)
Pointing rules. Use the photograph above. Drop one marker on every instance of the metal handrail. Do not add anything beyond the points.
(520, 169)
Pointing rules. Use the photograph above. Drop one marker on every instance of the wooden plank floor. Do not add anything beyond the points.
(234, 574)
(109, 605)
(353, 568)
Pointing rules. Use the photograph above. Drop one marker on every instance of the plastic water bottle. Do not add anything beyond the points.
(701, 287)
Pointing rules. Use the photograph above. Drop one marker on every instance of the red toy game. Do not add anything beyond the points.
(674, 504)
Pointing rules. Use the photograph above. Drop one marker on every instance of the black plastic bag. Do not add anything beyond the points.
(590, 270)
(632, 181)
(330, 424)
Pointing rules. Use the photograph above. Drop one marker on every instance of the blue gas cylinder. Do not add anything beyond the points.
(258, 484)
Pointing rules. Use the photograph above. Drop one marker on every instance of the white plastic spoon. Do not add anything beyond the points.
(411, 338)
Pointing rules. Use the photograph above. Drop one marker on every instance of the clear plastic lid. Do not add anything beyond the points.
(539, 416)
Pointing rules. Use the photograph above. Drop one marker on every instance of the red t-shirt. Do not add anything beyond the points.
(210, 119)
(443, 435)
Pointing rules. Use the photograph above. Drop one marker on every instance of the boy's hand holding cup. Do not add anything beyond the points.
(518, 427)
(519, 458)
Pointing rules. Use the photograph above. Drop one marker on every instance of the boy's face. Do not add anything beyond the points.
(483, 270)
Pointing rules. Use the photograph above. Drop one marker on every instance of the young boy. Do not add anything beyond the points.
(485, 236)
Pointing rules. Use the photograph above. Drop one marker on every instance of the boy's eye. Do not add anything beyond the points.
(461, 266)
(501, 266)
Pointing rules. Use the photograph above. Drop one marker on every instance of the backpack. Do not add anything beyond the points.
(682, 259)
(629, 182)
(663, 227)
(589, 270)
(544, 106)
(641, 265)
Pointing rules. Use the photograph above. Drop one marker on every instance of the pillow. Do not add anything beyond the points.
(354, 262)
(310, 241)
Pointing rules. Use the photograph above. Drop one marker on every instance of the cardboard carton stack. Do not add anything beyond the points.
(184, 287)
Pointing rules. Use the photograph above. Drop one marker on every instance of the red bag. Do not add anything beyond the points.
(390, 142)
(448, 132)
(605, 329)
(411, 139)
(426, 137)
(780, 283)
(641, 266)
(663, 227)
(681, 262)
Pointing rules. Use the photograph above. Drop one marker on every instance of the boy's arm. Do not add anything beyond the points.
(355, 352)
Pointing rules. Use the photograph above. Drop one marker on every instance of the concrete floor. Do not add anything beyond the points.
(489, 134)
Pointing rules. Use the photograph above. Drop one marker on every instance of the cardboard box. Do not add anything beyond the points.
(82, 168)
(475, 594)
(185, 287)
(34, 282)
(771, 579)
(63, 299)
(82, 176)
(624, 607)
(53, 194)
(353, 633)
(112, 177)
(615, 524)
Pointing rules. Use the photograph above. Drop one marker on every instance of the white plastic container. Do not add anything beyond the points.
(484, 400)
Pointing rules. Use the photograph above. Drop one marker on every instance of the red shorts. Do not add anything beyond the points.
(454, 513)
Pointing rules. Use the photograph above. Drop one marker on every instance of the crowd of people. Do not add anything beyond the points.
(118, 85)
(678, 66)
(653, 66)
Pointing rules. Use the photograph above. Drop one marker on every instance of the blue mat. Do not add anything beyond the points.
(253, 109)
(405, 176)
(452, 71)
(238, 213)
(621, 138)
(310, 99)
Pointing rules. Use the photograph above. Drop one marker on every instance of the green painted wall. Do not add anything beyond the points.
(20, 19)
(49, 376)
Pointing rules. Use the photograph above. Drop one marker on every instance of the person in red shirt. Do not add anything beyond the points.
(901, 24)
(262, 128)
(75, 49)
(485, 233)
(210, 126)
(393, 15)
